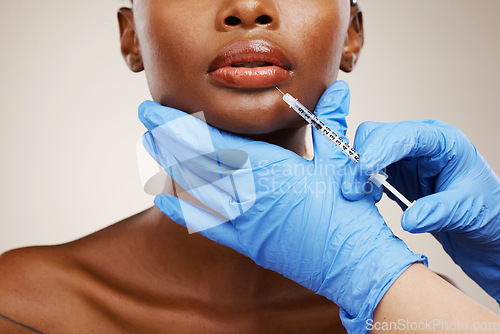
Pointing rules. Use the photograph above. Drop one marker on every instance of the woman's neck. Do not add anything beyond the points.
(212, 271)
(291, 139)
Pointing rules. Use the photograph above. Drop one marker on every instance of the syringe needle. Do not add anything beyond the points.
(280, 91)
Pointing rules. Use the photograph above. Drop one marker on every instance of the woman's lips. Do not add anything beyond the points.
(250, 64)
(241, 77)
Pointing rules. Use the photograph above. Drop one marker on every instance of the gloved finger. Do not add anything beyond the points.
(187, 137)
(199, 170)
(199, 220)
(333, 106)
(153, 114)
(332, 109)
(189, 173)
(228, 191)
(450, 210)
(363, 130)
(354, 183)
(392, 142)
(173, 135)
(211, 166)
(203, 159)
(382, 144)
(184, 129)
(355, 188)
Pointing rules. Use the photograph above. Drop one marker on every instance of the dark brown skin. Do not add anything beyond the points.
(146, 274)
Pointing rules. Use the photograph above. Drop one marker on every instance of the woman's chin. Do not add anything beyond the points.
(254, 126)
(260, 121)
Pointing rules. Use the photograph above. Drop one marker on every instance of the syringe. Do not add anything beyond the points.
(320, 126)
(378, 179)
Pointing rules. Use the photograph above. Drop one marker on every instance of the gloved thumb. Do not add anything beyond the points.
(354, 183)
(332, 109)
(449, 210)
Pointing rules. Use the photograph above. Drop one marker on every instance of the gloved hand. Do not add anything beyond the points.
(298, 223)
(458, 193)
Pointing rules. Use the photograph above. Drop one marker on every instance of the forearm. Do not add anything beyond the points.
(421, 301)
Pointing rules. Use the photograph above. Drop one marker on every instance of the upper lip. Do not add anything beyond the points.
(250, 51)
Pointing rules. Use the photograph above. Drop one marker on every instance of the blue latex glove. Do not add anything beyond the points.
(297, 223)
(458, 193)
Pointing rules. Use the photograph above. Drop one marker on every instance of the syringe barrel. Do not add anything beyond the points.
(321, 127)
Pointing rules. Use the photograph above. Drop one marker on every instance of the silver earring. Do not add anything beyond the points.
(354, 3)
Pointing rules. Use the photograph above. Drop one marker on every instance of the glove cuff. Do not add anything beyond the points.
(358, 323)
(365, 281)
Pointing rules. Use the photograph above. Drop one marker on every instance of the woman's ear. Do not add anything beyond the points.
(353, 41)
(128, 40)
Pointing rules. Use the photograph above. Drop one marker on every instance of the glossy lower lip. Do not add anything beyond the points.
(248, 78)
(223, 71)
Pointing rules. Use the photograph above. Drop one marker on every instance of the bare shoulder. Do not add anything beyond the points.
(45, 289)
(25, 270)
(28, 277)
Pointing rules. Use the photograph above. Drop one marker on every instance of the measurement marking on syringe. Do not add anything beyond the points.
(320, 126)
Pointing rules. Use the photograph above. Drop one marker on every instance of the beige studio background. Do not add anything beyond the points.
(69, 122)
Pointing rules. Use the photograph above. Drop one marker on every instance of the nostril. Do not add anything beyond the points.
(232, 21)
(264, 19)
